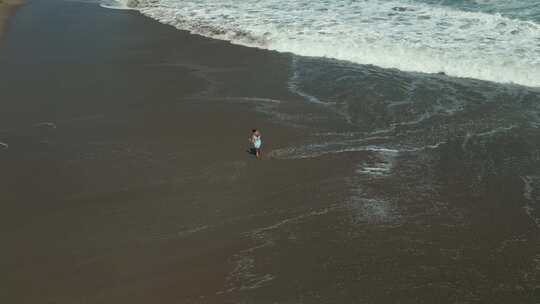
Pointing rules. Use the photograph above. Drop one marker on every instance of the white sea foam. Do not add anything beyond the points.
(402, 34)
(380, 168)
(293, 86)
(315, 150)
(529, 194)
(373, 211)
(120, 4)
(46, 124)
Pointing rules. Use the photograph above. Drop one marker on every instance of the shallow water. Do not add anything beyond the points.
(441, 172)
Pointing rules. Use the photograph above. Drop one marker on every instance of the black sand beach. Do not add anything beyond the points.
(125, 179)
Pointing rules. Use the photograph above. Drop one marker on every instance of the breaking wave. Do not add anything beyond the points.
(414, 36)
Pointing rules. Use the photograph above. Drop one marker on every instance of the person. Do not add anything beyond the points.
(256, 140)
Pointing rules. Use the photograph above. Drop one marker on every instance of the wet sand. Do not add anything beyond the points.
(125, 179)
(125, 172)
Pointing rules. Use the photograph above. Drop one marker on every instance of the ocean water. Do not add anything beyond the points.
(435, 104)
(495, 40)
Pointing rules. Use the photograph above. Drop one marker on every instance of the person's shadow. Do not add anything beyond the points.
(252, 151)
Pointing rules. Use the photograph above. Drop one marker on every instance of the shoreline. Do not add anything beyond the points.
(126, 179)
(7, 9)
